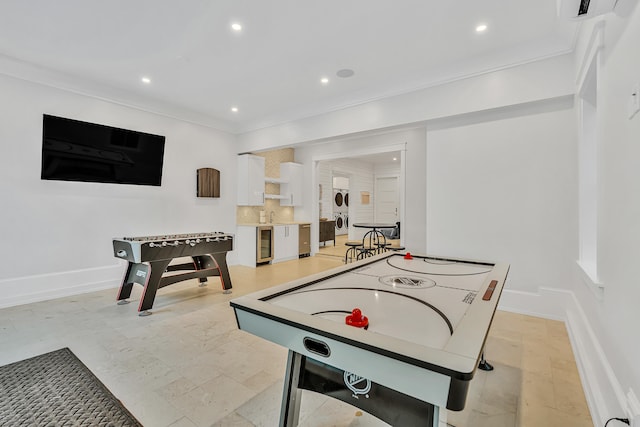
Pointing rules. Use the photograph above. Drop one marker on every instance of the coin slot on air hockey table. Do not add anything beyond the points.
(316, 347)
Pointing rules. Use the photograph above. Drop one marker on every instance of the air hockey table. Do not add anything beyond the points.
(397, 335)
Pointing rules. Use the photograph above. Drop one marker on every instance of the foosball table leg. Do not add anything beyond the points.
(155, 272)
(225, 278)
(125, 286)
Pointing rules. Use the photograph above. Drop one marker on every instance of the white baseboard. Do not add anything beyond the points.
(29, 289)
(603, 390)
(548, 303)
(43, 287)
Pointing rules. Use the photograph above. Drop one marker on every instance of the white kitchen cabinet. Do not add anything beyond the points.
(285, 242)
(250, 180)
(291, 184)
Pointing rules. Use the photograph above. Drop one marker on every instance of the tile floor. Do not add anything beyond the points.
(188, 365)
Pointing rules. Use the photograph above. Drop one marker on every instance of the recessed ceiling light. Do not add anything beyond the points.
(481, 28)
(146, 80)
(395, 158)
(345, 72)
(236, 27)
(324, 81)
(234, 109)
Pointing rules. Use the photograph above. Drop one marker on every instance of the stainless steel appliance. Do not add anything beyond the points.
(304, 240)
(264, 244)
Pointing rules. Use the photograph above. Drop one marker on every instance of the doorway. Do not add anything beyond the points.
(387, 200)
(361, 167)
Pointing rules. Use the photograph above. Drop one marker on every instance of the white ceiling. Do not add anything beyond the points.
(199, 68)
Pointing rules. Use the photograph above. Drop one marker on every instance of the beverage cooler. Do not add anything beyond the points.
(304, 240)
(264, 244)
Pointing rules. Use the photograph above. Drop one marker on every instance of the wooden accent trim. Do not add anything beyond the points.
(489, 292)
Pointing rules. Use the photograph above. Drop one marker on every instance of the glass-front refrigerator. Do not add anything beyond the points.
(264, 244)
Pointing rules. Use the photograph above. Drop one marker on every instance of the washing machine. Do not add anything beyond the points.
(338, 200)
(341, 210)
(340, 225)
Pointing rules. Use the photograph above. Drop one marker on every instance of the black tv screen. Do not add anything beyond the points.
(79, 151)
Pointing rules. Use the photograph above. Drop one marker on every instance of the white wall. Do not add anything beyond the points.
(619, 206)
(610, 320)
(57, 235)
(506, 190)
(389, 169)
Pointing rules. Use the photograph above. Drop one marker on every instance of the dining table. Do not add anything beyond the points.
(373, 241)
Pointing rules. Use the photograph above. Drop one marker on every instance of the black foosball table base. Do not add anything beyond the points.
(149, 263)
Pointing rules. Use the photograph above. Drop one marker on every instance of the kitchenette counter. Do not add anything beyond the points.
(254, 249)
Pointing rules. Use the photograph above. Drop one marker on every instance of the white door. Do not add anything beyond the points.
(387, 200)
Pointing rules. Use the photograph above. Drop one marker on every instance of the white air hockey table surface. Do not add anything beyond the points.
(428, 319)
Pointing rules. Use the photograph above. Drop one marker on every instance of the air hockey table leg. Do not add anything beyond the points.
(388, 405)
(484, 365)
(292, 395)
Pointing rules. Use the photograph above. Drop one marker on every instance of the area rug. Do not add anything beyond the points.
(57, 389)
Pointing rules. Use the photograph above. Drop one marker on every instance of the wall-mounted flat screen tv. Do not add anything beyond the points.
(79, 151)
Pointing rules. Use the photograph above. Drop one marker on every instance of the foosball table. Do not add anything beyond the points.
(149, 260)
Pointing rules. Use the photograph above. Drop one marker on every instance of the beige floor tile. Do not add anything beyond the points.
(152, 410)
(565, 370)
(537, 363)
(536, 391)
(570, 398)
(558, 418)
(504, 351)
(507, 334)
(186, 422)
(557, 329)
(505, 320)
(479, 419)
(234, 420)
(212, 400)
